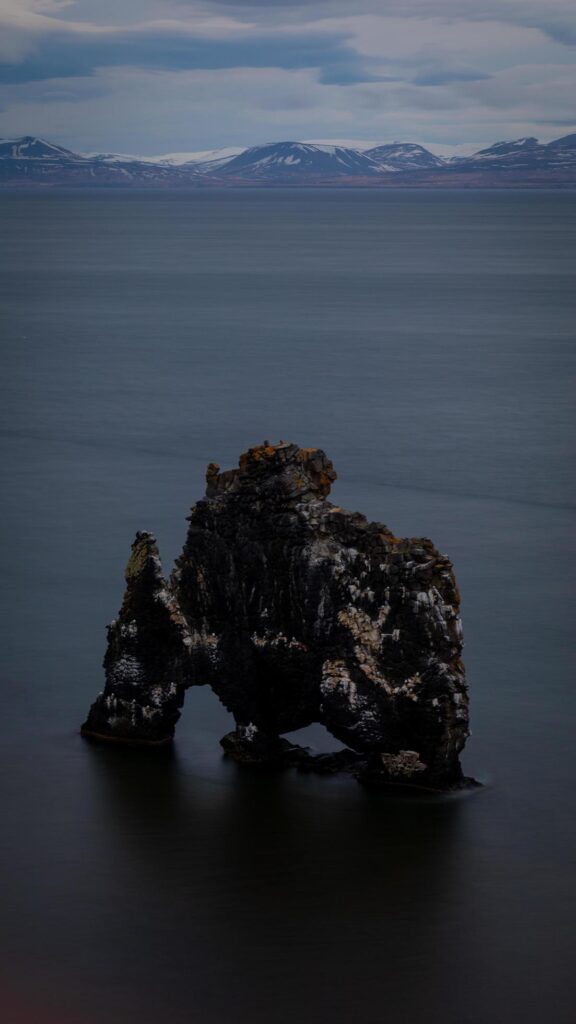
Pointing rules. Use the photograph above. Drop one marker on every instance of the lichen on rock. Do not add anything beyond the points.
(294, 611)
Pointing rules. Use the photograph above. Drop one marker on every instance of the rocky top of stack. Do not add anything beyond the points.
(281, 471)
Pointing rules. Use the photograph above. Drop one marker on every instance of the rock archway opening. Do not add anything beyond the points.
(317, 737)
(203, 720)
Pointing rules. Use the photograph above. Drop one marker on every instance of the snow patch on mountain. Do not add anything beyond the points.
(169, 159)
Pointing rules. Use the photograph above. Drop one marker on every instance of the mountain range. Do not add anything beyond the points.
(32, 161)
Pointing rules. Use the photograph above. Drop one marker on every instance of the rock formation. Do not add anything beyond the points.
(293, 611)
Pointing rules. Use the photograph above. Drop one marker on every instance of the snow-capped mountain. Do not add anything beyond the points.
(404, 156)
(524, 155)
(517, 147)
(35, 161)
(518, 152)
(562, 152)
(31, 148)
(297, 161)
(31, 160)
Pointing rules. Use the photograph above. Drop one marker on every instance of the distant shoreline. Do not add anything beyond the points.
(244, 186)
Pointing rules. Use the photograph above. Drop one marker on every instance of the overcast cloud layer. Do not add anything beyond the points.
(151, 76)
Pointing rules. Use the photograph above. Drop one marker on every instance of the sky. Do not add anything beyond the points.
(157, 76)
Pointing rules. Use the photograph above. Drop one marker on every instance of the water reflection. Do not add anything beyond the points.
(267, 884)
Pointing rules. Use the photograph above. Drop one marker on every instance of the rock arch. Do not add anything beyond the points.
(294, 611)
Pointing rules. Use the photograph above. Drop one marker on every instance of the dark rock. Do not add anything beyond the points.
(294, 611)
(146, 658)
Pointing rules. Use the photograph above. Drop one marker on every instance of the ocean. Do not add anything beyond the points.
(426, 341)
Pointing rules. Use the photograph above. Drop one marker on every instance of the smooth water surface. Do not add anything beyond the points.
(426, 341)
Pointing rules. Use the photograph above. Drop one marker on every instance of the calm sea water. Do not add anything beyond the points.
(426, 341)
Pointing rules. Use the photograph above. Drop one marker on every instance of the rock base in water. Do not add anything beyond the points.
(368, 770)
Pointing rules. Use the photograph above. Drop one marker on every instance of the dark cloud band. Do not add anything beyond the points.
(71, 55)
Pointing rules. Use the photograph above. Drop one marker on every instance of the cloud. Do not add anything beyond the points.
(149, 74)
(442, 76)
(554, 17)
(561, 31)
(51, 49)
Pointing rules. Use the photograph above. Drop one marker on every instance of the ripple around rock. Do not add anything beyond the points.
(294, 611)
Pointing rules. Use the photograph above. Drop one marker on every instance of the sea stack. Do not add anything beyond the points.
(294, 611)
